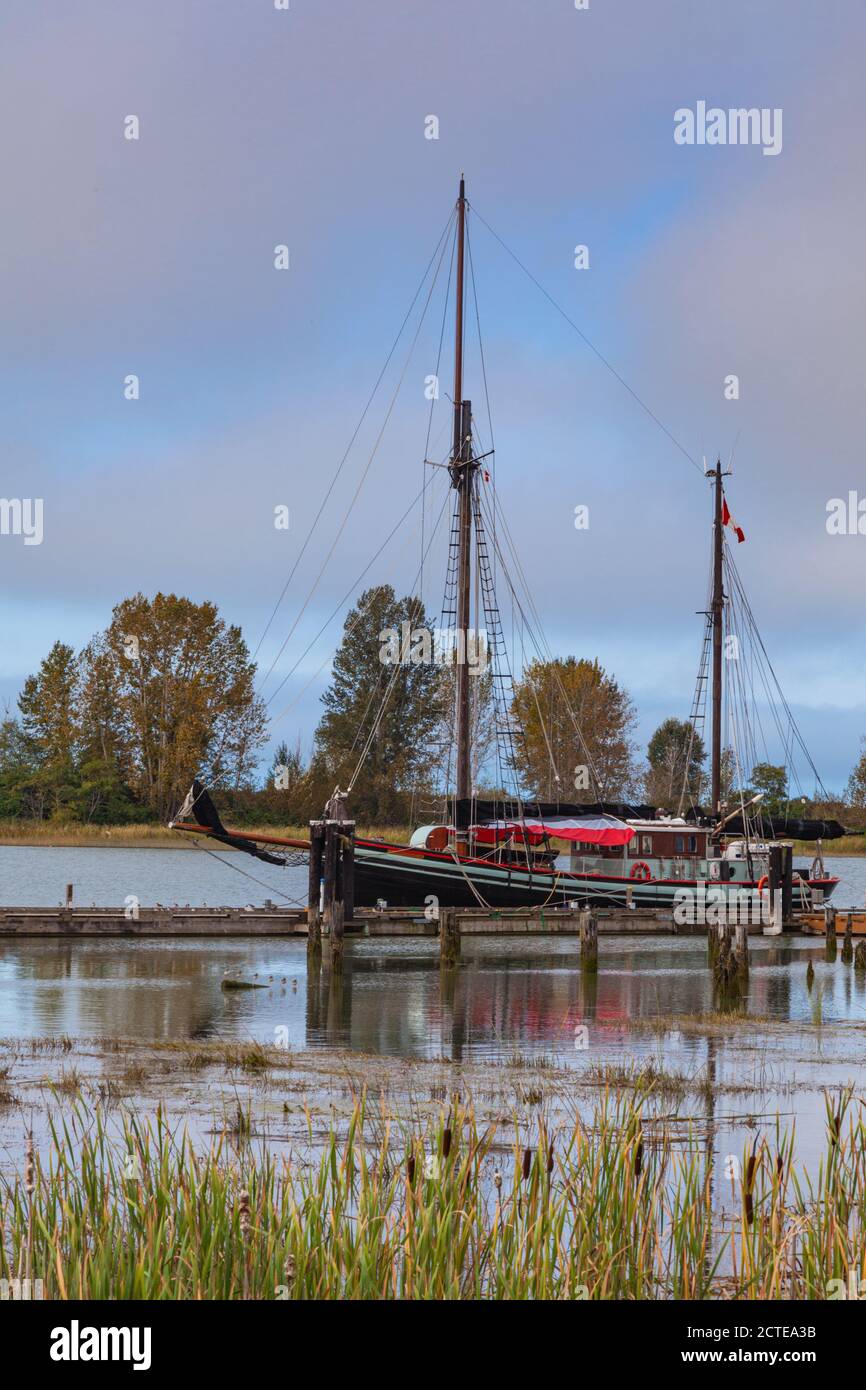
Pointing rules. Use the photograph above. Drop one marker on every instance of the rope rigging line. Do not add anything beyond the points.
(348, 594)
(540, 644)
(579, 331)
(196, 844)
(397, 666)
(362, 480)
(759, 662)
(424, 461)
(354, 435)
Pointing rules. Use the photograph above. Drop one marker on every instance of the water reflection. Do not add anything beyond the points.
(521, 996)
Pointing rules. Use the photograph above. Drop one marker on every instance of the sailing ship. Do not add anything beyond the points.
(506, 851)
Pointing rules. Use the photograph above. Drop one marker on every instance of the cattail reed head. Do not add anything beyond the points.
(497, 1179)
(550, 1159)
(751, 1163)
(244, 1209)
(446, 1142)
(29, 1166)
(410, 1168)
(527, 1163)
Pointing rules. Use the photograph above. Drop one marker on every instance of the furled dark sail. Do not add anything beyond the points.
(477, 812)
(198, 803)
(784, 828)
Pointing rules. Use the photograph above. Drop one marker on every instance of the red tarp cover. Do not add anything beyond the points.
(590, 830)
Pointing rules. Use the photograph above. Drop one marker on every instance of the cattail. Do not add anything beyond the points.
(550, 1159)
(29, 1166)
(497, 1180)
(638, 1155)
(527, 1163)
(750, 1177)
(246, 1219)
(446, 1142)
(410, 1169)
(290, 1269)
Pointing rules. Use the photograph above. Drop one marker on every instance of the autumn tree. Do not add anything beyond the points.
(676, 756)
(577, 723)
(386, 694)
(171, 696)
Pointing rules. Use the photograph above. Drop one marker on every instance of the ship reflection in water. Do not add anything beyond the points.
(517, 998)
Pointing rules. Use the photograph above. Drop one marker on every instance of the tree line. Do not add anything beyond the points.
(115, 733)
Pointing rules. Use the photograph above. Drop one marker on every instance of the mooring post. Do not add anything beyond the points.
(786, 866)
(314, 888)
(848, 940)
(332, 895)
(830, 930)
(742, 948)
(69, 890)
(712, 942)
(449, 936)
(347, 830)
(589, 941)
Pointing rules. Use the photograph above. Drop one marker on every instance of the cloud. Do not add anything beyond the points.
(305, 127)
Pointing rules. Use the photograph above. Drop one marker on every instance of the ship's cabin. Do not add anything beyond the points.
(668, 848)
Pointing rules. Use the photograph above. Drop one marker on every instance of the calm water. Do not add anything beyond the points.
(517, 995)
(513, 999)
(511, 996)
(36, 876)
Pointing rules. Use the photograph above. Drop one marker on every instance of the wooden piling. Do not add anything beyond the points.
(848, 941)
(314, 888)
(347, 830)
(589, 942)
(332, 892)
(741, 950)
(860, 956)
(713, 943)
(69, 892)
(830, 929)
(449, 936)
(727, 973)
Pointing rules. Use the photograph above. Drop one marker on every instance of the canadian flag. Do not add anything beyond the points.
(728, 520)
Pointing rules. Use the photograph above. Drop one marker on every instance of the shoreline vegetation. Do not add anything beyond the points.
(72, 835)
(352, 1176)
(75, 836)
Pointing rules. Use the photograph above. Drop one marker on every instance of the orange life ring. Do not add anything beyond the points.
(762, 883)
(641, 870)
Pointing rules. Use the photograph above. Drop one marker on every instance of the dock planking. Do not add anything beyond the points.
(171, 922)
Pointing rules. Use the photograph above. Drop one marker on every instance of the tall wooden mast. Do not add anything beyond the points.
(462, 471)
(717, 612)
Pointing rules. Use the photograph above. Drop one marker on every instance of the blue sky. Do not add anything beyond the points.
(306, 127)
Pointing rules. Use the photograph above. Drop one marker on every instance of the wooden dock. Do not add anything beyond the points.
(269, 921)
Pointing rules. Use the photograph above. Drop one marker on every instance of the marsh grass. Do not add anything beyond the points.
(604, 1208)
(72, 835)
